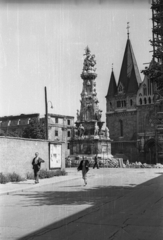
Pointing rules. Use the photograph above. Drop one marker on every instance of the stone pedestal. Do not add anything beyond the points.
(90, 146)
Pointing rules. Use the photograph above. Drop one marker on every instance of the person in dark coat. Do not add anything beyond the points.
(96, 164)
(36, 166)
(84, 167)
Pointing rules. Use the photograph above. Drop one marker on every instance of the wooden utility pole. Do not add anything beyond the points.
(46, 114)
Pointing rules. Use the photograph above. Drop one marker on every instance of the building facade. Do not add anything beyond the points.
(130, 111)
(60, 127)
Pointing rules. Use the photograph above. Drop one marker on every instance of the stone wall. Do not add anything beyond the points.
(16, 154)
(129, 120)
(146, 119)
(129, 148)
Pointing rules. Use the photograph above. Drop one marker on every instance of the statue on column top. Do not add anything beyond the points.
(89, 61)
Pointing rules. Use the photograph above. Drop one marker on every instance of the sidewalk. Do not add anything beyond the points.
(12, 187)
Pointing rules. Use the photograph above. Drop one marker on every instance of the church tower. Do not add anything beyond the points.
(121, 98)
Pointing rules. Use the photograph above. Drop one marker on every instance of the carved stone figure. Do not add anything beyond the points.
(81, 130)
(107, 134)
(89, 62)
(98, 115)
(78, 115)
(96, 129)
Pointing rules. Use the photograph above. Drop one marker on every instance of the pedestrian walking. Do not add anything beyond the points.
(84, 167)
(96, 164)
(36, 166)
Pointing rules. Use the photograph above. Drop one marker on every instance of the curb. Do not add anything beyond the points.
(35, 186)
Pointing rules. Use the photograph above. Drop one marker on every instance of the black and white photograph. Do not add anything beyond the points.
(81, 119)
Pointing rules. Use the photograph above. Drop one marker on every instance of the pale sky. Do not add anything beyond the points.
(42, 44)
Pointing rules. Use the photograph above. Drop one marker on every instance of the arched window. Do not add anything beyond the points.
(140, 101)
(131, 102)
(149, 100)
(110, 104)
(124, 103)
(121, 127)
(145, 101)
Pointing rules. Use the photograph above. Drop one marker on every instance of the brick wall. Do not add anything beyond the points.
(16, 154)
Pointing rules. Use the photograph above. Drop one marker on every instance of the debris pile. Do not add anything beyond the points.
(109, 162)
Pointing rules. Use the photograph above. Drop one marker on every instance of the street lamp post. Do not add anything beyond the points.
(46, 114)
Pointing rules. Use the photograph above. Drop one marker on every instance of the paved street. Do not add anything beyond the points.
(117, 204)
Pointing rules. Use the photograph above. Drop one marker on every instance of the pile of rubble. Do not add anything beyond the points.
(143, 165)
(110, 162)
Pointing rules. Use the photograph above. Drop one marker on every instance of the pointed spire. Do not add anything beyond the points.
(112, 89)
(128, 33)
(129, 75)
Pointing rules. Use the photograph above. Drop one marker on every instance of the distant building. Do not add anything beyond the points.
(59, 126)
(130, 111)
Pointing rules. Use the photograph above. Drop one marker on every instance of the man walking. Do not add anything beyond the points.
(36, 166)
(96, 164)
(84, 166)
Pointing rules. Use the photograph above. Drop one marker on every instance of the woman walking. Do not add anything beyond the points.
(84, 166)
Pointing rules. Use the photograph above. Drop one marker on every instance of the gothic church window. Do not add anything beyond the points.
(149, 100)
(140, 101)
(121, 127)
(110, 104)
(56, 133)
(131, 102)
(145, 101)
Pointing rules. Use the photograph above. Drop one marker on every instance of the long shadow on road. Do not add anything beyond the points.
(113, 212)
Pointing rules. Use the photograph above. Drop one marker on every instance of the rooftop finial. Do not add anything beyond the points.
(128, 29)
(112, 67)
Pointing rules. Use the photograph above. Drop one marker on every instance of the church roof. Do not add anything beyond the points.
(129, 75)
(112, 89)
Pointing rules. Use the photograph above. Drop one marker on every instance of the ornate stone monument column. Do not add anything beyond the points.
(89, 136)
